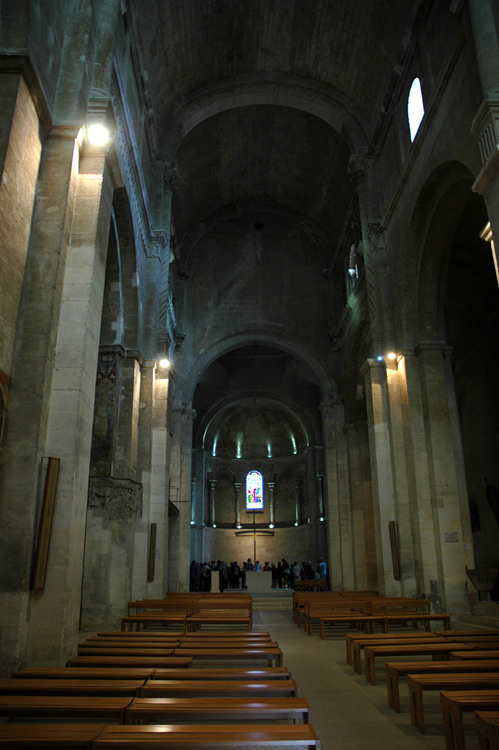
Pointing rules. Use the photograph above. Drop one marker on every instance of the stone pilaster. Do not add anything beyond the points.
(382, 471)
(445, 487)
(180, 493)
(70, 400)
(212, 483)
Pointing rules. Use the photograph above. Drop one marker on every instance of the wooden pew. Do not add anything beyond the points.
(223, 673)
(216, 736)
(78, 736)
(33, 686)
(395, 670)
(453, 706)
(358, 645)
(272, 655)
(460, 681)
(366, 638)
(164, 710)
(364, 622)
(82, 673)
(64, 706)
(225, 643)
(487, 724)
(152, 662)
(212, 688)
(440, 650)
(88, 650)
(242, 618)
(475, 653)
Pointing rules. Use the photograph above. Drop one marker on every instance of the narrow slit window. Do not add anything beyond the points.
(415, 107)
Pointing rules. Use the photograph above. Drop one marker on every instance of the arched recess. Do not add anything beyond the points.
(327, 386)
(456, 302)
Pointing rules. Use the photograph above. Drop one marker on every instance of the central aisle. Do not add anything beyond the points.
(347, 712)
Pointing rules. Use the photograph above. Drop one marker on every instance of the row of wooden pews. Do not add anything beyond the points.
(464, 669)
(325, 611)
(188, 612)
(243, 695)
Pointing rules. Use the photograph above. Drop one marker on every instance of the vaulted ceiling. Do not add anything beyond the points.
(261, 102)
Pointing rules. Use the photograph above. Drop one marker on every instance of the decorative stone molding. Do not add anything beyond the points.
(485, 126)
(121, 499)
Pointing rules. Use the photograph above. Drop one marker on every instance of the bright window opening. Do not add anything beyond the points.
(415, 107)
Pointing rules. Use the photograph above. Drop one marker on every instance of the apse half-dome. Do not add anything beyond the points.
(255, 429)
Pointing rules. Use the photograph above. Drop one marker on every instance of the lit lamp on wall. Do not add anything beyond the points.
(98, 134)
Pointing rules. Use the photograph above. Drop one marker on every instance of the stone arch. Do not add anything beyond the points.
(124, 234)
(318, 99)
(284, 402)
(429, 241)
(327, 386)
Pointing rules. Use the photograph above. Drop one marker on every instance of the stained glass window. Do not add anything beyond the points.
(254, 491)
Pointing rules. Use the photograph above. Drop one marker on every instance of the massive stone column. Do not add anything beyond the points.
(55, 612)
(180, 494)
(444, 455)
(382, 472)
(337, 500)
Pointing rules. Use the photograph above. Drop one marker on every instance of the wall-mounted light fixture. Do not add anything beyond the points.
(98, 134)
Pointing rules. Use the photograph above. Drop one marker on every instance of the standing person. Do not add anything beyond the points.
(243, 575)
(258, 565)
(273, 570)
(279, 574)
(236, 575)
(249, 564)
(224, 577)
(322, 569)
(296, 574)
(285, 572)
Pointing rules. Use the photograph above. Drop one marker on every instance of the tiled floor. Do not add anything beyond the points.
(348, 712)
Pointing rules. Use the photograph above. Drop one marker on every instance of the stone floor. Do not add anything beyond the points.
(348, 712)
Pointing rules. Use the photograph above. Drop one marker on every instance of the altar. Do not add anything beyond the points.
(258, 581)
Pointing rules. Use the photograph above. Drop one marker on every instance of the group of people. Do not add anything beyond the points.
(233, 576)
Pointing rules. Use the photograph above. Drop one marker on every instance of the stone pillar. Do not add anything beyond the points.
(443, 454)
(125, 458)
(180, 494)
(297, 484)
(237, 507)
(55, 614)
(212, 483)
(402, 471)
(25, 440)
(271, 486)
(359, 531)
(382, 472)
(337, 501)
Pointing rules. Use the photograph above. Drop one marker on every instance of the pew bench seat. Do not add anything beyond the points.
(417, 684)
(216, 737)
(63, 736)
(84, 673)
(440, 650)
(87, 650)
(350, 639)
(223, 673)
(34, 686)
(64, 706)
(227, 688)
(487, 724)
(395, 670)
(152, 662)
(167, 710)
(270, 655)
(359, 645)
(455, 703)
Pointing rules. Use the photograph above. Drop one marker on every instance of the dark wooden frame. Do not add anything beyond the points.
(45, 526)
(395, 550)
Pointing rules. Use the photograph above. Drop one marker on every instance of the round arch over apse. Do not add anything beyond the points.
(283, 402)
(327, 386)
(429, 239)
